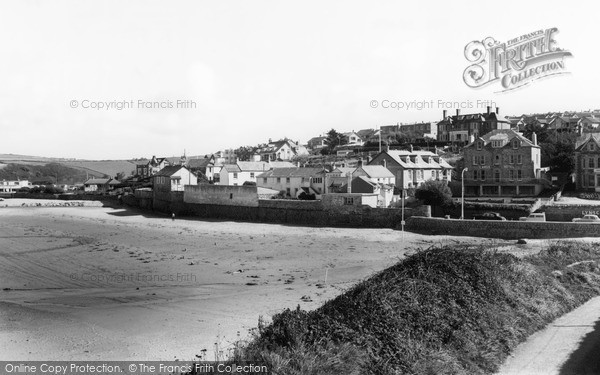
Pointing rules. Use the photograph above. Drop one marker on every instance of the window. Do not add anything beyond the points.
(475, 175)
(519, 174)
(591, 163)
(512, 159)
(287, 180)
(482, 159)
(235, 175)
(591, 180)
(515, 143)
(497, 160)
(519, 159)
(496, 175)
(349, 201)
(497, 144)
(287, 191)
(591, 146)
(265, 180)
(511, 175)
(483, 175)
(278, 180)
(251, 174)
(318, 180)
(475, 160)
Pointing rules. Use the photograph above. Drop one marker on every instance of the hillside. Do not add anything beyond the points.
(42, 174)
(441, 311)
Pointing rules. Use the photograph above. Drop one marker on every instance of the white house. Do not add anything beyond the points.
(13, 186)
(294, 181)
(174, 178)
(242, 171)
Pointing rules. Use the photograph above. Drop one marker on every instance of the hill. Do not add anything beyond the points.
(446, 310)
(42, 174)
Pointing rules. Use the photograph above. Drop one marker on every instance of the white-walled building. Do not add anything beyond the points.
(294, 181)
(11, 186)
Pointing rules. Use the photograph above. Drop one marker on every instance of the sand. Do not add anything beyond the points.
(98, 283)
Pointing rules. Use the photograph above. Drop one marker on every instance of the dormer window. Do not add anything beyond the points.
(479, 145)
(497, 144)
(591, 146)
(515, 143)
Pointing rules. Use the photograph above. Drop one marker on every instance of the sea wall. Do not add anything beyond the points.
(501, 229)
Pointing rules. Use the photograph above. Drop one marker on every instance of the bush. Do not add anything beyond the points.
(434, 193)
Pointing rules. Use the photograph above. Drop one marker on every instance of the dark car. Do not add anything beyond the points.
(489, 216)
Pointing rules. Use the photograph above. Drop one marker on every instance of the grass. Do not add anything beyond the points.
(448, 310)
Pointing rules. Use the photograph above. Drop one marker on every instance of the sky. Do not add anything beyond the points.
(235, 73)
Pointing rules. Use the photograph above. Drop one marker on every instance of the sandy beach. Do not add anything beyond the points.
(98, 283)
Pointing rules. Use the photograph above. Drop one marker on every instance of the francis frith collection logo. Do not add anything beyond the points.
(515, 63)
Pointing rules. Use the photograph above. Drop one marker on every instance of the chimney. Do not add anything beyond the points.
(458, 111)
(488, 109)
(411, 148)
(349, 190)
(444, 113)
(472, 138)
(384, 163)
(359, 165)
(534, 138)
(497, 110)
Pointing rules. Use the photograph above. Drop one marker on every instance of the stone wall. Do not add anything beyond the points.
(501, 229)
(245, 196)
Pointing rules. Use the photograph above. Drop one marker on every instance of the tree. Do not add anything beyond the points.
(335, 139)
(558, 152)
(434, 193)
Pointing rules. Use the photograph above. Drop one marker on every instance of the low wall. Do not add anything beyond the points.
(501, 229)
(289, 204)
(69, 197)
(222, 194)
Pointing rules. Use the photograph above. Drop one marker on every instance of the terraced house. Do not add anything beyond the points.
(503, 163)
(587, 162)
(412, 168)
(459, 128)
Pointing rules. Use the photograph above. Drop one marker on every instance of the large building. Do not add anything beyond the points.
(587, 162)
(412, 168)
(459, 128)
(13, 186)
(503, 163)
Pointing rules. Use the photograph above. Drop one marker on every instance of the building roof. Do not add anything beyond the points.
(585, 138)
(97, 181)
(376, 171)
(281, 164)
(253, 166)
(343, 170)
(199, 163)
(506, 134)
(418, 159)
(170, 170)
(292, 172)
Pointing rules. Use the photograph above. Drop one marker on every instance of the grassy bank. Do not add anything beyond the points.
(442, 311)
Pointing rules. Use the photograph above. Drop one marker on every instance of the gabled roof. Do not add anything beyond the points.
(170, 170)
(376, 171)
(231, 168)
(343, 170)
(417, 159)
(581, 141)
(292, 172)
(507, 134)
(199, 163)
(365, 133)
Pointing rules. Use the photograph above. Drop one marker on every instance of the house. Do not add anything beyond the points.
(242, 171)
(375, 173)
(353, 139)
(411, 168)
(316, 143)
(13, 186)
(284, 149)
(100, 185)
(459, 128)
(151, 167)
(503, 163)
(338, 177)
(173, 178)
(418, 131)
(566, 124)
(589, 124)
(294, 181)
(364, 185)
(204, 166)
(587, 162)
(369, 135)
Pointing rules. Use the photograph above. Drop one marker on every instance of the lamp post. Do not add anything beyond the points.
(462, 206)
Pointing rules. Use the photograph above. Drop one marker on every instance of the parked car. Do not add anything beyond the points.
(587, 219)
(489, 216)
(540, 216)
